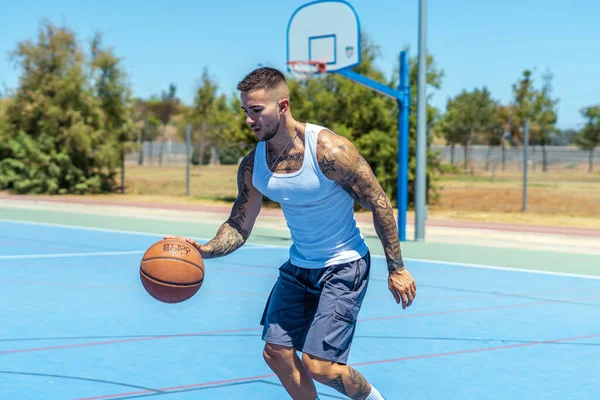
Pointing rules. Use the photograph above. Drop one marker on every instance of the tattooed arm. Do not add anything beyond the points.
(235, 231)
(340, 161)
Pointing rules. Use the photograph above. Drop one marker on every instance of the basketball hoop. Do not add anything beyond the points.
(304, 70)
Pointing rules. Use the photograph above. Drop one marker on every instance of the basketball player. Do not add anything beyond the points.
(316, 176)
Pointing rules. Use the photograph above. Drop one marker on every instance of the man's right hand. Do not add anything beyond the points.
(202, 249)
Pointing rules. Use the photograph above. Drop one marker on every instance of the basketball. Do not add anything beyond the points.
(172, 270)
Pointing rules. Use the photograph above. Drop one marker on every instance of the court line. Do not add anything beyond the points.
(452, 353)
(360, 320)
(175, 388)
(66, 255)
(510, 269)
(136, 339)
(391, 360)
(81, 379)
(251, 382)
(255, 246)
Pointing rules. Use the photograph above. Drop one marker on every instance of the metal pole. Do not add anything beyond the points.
(421, 154)
(122, 168)
(188, 144)
(403, 110)
(525, 157)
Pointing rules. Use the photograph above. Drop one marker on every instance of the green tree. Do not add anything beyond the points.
(147, 127)
(164, 107)
(448, 128)
(4, 128)
(506, 127)
(59, 137)
(111, 89)
(538, 108)
(544, 118)
(468, 115)
(212, 119)
(589, 137)
(240, 134)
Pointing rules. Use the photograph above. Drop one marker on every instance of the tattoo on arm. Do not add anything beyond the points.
(326, 165)
(357, 179)
(231, 235)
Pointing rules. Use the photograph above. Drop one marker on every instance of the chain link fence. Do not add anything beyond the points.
(479, 157)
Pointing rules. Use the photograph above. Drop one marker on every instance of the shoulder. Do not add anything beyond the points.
(334, 152)
(249, 158)
(247, 163)
(331, 144)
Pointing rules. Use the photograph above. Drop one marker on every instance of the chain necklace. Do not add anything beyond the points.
(281, 152)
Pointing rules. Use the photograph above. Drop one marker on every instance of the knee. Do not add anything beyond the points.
(320, 370)
(278, 357)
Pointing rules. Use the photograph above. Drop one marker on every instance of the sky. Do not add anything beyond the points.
(475, 42)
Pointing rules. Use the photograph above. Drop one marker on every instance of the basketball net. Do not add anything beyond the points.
(305, 70)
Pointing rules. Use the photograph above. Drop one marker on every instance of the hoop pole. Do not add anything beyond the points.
(402, 96)
(421, 153)
(403, 114)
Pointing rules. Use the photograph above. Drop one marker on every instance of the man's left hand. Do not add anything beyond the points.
(403, 287)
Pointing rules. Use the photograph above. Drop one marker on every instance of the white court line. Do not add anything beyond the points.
(510, 269)
(65, 255)
(253, 246)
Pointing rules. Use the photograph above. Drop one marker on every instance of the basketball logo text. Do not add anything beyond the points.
(176, 248)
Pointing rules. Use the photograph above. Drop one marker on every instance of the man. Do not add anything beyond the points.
(316, 176)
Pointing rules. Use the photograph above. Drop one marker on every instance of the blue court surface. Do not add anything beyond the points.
(77, 324)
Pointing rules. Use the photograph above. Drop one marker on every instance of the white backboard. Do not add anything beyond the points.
(326, 31)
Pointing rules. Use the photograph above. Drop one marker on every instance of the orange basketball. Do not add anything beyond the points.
(172, 270)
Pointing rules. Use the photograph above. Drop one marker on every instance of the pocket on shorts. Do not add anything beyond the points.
(341, 328)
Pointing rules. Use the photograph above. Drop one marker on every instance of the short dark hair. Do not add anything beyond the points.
(261, 78)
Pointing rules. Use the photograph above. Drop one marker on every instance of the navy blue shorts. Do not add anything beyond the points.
(315, 310)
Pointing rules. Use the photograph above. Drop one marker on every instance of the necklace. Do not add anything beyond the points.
(281, 152)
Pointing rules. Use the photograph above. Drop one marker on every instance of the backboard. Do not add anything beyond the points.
(325, 31)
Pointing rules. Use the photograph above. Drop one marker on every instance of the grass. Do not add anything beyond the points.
(558, 197)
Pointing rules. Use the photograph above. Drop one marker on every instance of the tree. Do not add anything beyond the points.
(544, 118)
(61, 120)
(4, 128)
(469, 114)
(538, 108)
(111, 89)
(212, 115)
(506, 129)
(147, 127)
(589, 138)
(164, 108)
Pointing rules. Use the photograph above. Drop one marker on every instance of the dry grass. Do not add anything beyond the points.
(558, 197)
(206, 182)
(566, 198)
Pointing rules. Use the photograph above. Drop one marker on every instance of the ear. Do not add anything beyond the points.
(284, 106)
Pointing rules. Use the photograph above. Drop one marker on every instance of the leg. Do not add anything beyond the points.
(328, 342)
(342, 378)
(291, 372)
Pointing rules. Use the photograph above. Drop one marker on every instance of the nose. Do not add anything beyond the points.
(249, 120)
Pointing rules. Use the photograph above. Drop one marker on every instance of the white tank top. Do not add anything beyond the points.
(318, 212)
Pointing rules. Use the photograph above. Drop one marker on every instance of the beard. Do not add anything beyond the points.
(271, 129)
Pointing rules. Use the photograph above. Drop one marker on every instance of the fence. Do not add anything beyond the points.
(479, 157)
(485, 157)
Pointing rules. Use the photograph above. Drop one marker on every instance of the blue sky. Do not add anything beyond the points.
(476, 42)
